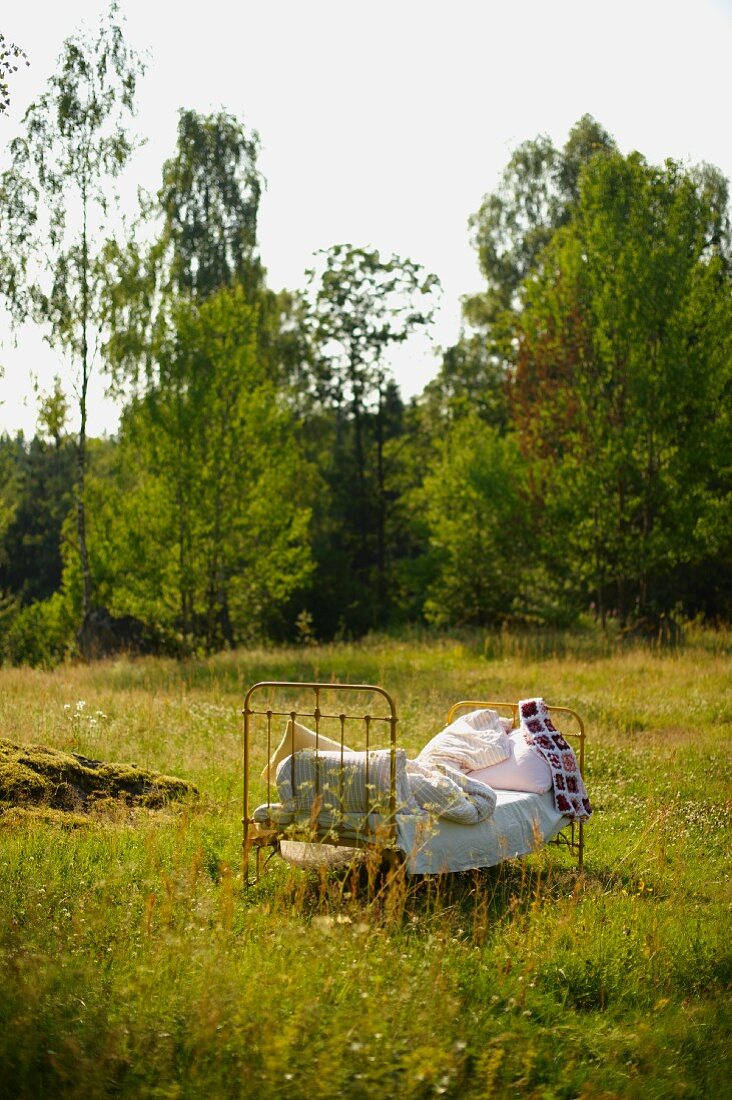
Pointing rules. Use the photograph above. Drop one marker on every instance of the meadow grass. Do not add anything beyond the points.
(134, 963)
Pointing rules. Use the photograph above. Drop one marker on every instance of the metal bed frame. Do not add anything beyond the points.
(260, 835)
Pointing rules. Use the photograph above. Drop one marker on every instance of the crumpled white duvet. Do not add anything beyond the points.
(445, 792)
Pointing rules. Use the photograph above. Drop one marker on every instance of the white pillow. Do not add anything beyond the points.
(523, 770)
(472, 741)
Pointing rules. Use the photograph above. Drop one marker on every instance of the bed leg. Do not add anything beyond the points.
(246, 849)
(393, 859)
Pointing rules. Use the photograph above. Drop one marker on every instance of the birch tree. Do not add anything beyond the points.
(56, 199)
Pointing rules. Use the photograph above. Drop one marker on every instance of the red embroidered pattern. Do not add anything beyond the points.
(545, 739)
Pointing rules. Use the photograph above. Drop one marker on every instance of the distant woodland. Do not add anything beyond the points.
(572, 458)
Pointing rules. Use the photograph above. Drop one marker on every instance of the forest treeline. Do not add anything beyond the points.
(573, 454)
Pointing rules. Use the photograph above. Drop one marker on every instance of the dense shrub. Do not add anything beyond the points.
(41, 634)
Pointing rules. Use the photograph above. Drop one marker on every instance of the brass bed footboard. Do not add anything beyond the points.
(362, 724)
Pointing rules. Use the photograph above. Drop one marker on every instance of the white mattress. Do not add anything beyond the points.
(520, 824)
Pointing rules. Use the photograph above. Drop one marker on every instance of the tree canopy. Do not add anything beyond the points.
(623, 382)
(571, 457)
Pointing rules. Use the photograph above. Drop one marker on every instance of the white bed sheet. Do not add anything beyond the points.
(520, 824)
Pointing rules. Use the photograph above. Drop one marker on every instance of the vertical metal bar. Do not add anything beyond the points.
(392, 775)
(581, 829)
(269, 757)
(245, 798)
(317, 761)
(316, 716)
(293, 715)
(342, 719)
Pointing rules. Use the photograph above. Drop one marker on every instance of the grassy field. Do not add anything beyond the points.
(133, 963)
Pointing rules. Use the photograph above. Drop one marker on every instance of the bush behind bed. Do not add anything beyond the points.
(134, 964)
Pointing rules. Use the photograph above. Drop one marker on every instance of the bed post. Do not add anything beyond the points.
(245, 799)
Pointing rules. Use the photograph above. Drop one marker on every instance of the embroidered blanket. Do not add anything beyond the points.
(540, 733)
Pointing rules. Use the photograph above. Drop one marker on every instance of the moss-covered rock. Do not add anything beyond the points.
(33, 775)
(12, 817)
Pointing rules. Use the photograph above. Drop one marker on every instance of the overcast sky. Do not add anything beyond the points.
(384, 123)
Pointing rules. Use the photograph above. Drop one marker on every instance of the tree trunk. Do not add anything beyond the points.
(360, 476)
(381, 511)
(86, 592)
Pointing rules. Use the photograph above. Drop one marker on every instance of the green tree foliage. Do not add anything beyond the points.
(362, 305)
(207, 532)
(36, 497)
(602, 341)
(54, 204)
(35, 500)
(471, 380)
(537, 193)
(622, 393)
(39, 634)
(204, 237)
(474, 500)
(209, 200)
(10, 55)
(574, 449)
(36, 493)
(713, 189)
(10, 450)
(53, 415)
(208, 443)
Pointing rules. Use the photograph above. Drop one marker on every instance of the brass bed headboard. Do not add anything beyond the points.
(573, 836)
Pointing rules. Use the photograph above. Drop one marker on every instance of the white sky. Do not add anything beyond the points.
(384, 123)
